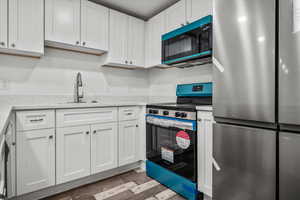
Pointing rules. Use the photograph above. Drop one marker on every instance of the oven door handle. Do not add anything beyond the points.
(215, 164)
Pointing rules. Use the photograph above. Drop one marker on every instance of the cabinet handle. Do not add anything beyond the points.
(51, 137)
(199, 120)
(136, 125)
(83, 43)
(2, 43)
(126, 61)
(77, 42)
(87, 132)
(37, 120)
(95, 132)
(131, 62)
(13, 45)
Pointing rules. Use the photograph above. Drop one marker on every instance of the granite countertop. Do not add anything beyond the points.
(6, 110)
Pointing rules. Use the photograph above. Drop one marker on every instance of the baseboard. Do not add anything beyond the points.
(76, 183)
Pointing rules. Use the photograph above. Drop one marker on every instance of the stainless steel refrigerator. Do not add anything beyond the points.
(289, 99)
(244, 101)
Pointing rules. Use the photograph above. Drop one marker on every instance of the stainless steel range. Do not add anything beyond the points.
(172, 138)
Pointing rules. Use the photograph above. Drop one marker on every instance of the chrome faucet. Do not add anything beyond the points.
(78, 89)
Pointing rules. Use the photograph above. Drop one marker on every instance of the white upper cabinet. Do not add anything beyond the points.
(136, 42)
(76, 25)
(126, 41)
(62, 21)
(94, 25)
(155, 30)
(175, 16)
(35, 160)
(104, 147)
(3, 24)
(72, 153)
(118, 34)
(26, 26)
(197, 9)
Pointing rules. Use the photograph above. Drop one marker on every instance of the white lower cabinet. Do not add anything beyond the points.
(205, 147)
(72, 153)
(128, 142)
(104, 147)
(35, 160)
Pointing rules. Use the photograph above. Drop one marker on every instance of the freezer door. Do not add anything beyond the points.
(244, 59)
(289, 62)
(246, 163)
(289, 165)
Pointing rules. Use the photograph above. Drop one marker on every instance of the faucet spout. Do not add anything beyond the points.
(78, 88)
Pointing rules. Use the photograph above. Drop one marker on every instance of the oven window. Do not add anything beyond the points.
(173, 149)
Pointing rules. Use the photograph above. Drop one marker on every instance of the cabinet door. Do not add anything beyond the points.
(104, 146)
(205, 136)
(175, 16)
(155, 30)
(26, 25)
(72, 153)
(128, 142)
(62, 21)
(196, 9)
(3, 23)
(94, 25)
(36, 160)
(118, 37)
(136, 42)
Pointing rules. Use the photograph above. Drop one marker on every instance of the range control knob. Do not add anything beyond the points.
(177, 114)
(183, 115)
(166, 113)
(155, 112)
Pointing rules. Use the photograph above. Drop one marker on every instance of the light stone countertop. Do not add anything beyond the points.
(6, 110)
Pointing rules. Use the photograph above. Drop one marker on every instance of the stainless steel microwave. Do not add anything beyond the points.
(191, 42)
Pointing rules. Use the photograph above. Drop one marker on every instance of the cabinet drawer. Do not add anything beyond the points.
(76, 117)
(31, 120)
(128, 113)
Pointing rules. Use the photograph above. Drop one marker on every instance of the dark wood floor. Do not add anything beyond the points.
(87, 192)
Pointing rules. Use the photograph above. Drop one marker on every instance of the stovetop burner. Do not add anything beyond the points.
(189, 97)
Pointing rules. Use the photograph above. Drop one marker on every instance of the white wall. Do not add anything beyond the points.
(162, 82)
(54, 74)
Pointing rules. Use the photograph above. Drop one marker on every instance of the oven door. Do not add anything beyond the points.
(171, 143)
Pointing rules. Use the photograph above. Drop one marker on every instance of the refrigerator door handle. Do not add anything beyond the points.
(215, 164)
(218, 65)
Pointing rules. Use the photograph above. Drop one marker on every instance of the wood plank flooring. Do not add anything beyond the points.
(128, 186)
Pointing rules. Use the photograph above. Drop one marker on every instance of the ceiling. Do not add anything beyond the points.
(143, 9)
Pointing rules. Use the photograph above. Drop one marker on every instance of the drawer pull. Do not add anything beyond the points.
(51, 137)
(37, 120)
(95, 132)
(128, 114)
(87, 132)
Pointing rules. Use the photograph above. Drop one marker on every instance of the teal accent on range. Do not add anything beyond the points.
(188, 57)
(187, 28)
(195, 90)
(182, 186)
